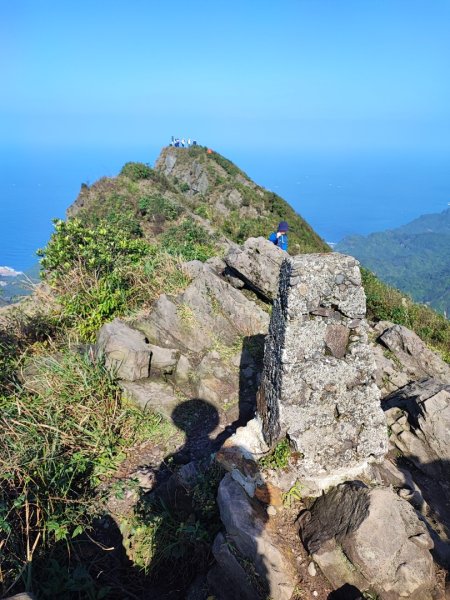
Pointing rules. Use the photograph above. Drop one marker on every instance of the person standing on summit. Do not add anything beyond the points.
(279, 237)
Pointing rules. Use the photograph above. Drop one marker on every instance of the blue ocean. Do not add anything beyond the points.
(338, 194)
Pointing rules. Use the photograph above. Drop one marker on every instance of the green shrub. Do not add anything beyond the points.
(136, 171)
(97, 250)
(203, 211)
(188, 240)
(184, 187)
(158, 206)
(92, 271)
(117, 210)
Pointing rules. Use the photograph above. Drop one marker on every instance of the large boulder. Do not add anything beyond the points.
(371, 539)
(258, 264)
(125, 350)
(245, 525)
(318, 382)
(229, 579)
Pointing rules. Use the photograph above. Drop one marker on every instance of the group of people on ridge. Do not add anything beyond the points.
(177, 143)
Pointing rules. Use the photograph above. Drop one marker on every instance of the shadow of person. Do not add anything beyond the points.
(182, 514)
(346, 592)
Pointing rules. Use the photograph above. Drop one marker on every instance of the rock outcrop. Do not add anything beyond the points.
(209, 310)
(318, 383)
(318, 388)
(346, 532)
(402, 357)
(125, 350)
(258, 264)
(419, 419)
(244, 523)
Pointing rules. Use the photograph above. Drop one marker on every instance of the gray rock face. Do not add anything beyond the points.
(318, 382)
(246, 530)
(258, 263)
(402, 357)
(125, 350)
(163, 360)
(193, 173)
(154, 395)
(237, 582)
(209, 310)
(419, 418)
(379, 543)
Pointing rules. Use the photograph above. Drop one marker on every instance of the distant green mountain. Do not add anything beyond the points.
(414, 258)
(12, 288)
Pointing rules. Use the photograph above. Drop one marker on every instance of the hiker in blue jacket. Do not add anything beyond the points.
(280, 238)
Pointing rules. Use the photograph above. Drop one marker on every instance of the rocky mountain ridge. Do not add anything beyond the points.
(304, 432)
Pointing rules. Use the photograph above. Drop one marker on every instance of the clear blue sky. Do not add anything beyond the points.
(316, 73)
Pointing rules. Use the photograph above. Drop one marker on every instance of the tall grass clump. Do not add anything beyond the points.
(57, 444)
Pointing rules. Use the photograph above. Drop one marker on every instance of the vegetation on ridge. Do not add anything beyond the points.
(387, 303)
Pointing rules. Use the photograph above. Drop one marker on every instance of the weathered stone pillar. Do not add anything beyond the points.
(318, 382)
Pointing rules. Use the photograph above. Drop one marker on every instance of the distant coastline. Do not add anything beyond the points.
(9, 272)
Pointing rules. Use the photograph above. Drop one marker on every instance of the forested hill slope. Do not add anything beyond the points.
(414, 258)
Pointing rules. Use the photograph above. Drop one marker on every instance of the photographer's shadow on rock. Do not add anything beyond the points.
(182, 513)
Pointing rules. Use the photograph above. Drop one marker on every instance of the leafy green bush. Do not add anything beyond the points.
(188, 240)
(91, 269)
(203, 211)
(118, 210)
(97, 250)
(136, 171)
(184, 187)
(158, 206)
